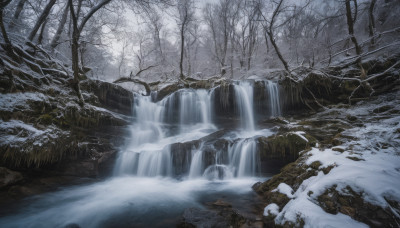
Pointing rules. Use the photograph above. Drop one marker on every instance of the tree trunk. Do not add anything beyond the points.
(17, 12)
(271, 36)
(4, 32)
(74, 52)
(40, 38)
(3, 4)
(350, 26)
(60, 29)
(278, 52)
(371, 24)
(41, 19)
(182, 50)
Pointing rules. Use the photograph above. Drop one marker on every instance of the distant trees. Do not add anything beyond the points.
(187, 38)
(41, 20)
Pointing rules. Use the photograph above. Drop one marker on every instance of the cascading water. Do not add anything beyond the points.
(274, 103)
(148, 152)
(244, 99)
(243, 157)
(176, 131)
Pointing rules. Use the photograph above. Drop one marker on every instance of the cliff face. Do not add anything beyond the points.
(43, 129)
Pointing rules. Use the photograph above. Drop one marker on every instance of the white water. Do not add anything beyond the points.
(244, 98)
(273, 92)
(196, 165)
(144, 191)
(243, 158)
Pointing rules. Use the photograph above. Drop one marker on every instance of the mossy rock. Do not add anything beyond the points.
(382, 109)
(351, 203)
(167, 90)
(201, 84)
(46, 119)
(285, 146)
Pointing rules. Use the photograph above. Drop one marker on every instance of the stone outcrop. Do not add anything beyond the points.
(110, 96)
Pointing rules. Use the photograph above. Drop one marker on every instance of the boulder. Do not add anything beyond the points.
(195, 217)
(9, 177)
(278, 150)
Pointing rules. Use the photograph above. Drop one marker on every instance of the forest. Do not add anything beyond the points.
(209, 113)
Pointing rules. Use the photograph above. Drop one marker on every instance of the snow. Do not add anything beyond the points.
(284, 189)
(370, 165)
(15, 132)
(20, 137)
(313, 215)
(271, 209)
(300, 134)
(9, 101)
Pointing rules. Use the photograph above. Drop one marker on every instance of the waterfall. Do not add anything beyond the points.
(274, 102)
(244, 99)
(184, 117)
(195, 107)
(147, 152)
(196, 165)
(147, 129)
(243, 158)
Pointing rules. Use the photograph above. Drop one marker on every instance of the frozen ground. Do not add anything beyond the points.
(369, 164)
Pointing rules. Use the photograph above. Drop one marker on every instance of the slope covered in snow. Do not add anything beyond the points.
(352, 181)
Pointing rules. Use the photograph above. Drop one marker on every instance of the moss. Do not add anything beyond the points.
(326, 170)
(168, 90)
(46, 119)
(315, 165)
(286, 146)
(355, 158)
(351, 203)
(338, 149)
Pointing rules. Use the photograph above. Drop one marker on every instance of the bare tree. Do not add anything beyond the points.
(155, 23)
(18, 10)
(270, 32)
(42, 18)
(186, 16)
(3, 4)
(350, 26)
(60, 29)
(371, 21)
(76, 33)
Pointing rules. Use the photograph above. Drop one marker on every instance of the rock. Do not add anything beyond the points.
(167, 90)
(338, 149)
(110, 96)
(383, 108)
(182, 155)
(351, 203)
(279, 150)
(351, 118)
(221, 203)
(9, 177)
(277, 120)
(195, 217)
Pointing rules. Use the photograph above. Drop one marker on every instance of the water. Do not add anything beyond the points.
(165, 166)
(272, 90)
(244, 99)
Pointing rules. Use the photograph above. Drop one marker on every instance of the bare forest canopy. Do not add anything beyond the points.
(174, 39)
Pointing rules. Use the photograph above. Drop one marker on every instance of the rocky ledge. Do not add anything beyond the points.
(46, 137)
(349, 177)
